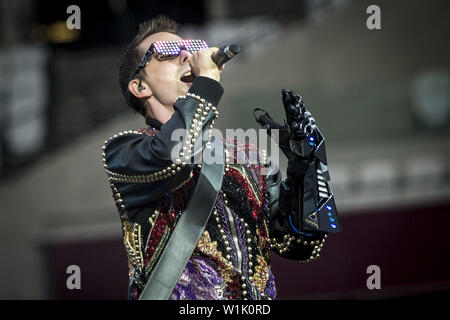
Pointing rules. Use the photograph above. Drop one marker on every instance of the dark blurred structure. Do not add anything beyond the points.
(114, 22)
(381, 98)
(75, 65)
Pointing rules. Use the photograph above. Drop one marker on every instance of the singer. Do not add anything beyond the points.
(174, 83)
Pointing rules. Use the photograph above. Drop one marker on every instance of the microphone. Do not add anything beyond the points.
(225, 54)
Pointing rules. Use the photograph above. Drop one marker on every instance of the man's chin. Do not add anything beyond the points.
(185, 87)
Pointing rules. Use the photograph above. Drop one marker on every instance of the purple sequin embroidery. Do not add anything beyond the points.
(200, 280)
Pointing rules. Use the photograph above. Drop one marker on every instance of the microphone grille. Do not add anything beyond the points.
(234, 49)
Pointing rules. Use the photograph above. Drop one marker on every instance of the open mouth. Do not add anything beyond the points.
(188, 77)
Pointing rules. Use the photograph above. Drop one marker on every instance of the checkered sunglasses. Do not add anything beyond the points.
(164, 50)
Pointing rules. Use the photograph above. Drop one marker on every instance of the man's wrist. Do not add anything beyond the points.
(212, 74)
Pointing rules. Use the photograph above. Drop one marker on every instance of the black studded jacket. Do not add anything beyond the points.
(232, 258)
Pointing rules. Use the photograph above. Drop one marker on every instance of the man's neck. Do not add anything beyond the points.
(160, 112)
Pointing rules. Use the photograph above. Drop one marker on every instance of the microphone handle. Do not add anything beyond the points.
(225, 53)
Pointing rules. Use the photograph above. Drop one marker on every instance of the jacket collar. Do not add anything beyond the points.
(153, 123)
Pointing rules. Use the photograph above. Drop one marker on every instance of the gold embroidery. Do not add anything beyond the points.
(133, 244)
(209, 248)
(264, 244)
(266, 228)
(261, 275)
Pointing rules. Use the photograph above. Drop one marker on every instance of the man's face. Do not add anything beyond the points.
(164, 77)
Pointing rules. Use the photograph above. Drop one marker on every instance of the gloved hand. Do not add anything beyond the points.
(300, 123)
(298, 136)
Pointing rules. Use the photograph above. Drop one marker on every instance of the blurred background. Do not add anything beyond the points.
(380, 97)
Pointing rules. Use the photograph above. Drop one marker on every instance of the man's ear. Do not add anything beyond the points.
(140, 89)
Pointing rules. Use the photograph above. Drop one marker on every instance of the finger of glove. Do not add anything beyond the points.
(299, 100)
(285, 94)
(289, 98)
(296, 126)
(291, 108)
(298, 130)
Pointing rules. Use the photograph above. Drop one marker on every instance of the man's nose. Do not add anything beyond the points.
(184, 56)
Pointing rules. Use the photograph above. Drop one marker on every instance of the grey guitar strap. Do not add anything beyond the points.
(186, 234)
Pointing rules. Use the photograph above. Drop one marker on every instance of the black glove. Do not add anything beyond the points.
(298, 135)
(301, 125)
(305, 193)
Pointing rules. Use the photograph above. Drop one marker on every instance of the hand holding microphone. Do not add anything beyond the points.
(209, 62)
